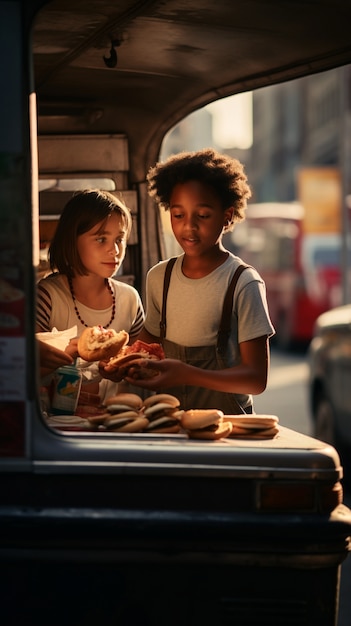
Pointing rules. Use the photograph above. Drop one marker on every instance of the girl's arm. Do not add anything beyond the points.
(51, 358)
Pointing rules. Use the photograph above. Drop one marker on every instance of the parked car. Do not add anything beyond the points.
(330, 378)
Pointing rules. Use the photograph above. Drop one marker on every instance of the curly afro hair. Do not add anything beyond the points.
(223, 173)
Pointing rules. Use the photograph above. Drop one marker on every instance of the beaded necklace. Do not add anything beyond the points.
(108, 285)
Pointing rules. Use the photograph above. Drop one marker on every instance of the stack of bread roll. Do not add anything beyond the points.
(212, 424)
(253, 426)
(129, 413)
(206, 424)
(161, 414)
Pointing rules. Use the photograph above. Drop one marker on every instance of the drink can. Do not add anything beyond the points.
(67, 384)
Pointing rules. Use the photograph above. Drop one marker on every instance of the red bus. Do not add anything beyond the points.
(302, 271)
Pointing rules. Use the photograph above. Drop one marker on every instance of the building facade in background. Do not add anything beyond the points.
(298, 124)
(303, 123)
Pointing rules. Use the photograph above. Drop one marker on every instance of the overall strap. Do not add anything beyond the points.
(167, 278)
(225, 325)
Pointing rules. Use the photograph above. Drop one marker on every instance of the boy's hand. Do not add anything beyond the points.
(115, 375)
(153, 375)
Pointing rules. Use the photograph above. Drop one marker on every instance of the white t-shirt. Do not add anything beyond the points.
(55, 308)
(194, 306)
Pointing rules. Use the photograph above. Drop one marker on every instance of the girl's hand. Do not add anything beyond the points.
(72, 348)
(51, 358)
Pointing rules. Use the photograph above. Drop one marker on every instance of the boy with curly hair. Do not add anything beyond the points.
(215, 334)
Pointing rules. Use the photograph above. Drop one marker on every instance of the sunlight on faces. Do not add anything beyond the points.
(102, 248)
(197, 216)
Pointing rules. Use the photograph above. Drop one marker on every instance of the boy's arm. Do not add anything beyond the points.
(248, 377)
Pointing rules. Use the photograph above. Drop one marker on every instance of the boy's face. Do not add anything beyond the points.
(102, 248)
(197, 217)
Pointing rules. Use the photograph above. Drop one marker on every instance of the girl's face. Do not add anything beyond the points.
(102, 248)
(197, 217)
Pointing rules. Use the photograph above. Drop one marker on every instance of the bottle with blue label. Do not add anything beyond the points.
(68, 381)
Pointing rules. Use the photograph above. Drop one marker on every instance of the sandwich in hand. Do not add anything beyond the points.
(97, 343)
(132, 360)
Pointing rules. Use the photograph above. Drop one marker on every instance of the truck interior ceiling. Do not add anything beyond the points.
(153, 62)
(135, 69)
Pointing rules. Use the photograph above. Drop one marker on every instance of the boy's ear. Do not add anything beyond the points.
(228, 215)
